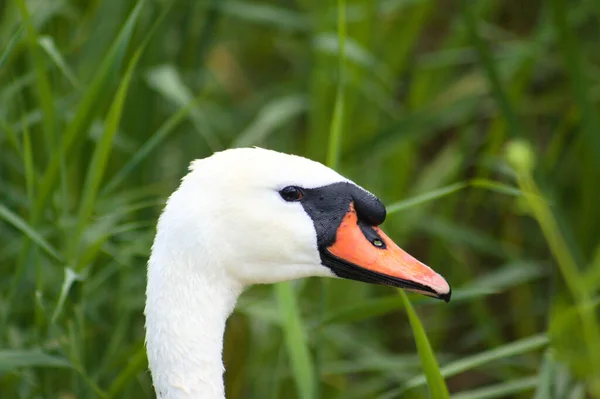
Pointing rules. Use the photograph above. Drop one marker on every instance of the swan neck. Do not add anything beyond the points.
(187, 307)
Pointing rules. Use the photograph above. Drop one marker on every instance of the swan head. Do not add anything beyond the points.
(258, 216)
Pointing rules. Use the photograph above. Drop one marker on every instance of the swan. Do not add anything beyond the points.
(254, 216)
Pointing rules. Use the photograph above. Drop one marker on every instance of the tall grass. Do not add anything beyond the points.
(104, 103)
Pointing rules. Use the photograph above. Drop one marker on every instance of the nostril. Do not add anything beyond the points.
(378, 243)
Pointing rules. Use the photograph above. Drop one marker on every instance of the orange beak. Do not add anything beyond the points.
(366, 253)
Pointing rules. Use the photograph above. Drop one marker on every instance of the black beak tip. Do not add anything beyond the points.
(446, 297)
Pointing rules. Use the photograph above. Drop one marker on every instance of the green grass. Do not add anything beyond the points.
(103, 104)
(431, 369)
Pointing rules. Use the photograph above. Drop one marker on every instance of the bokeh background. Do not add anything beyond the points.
(475, 121)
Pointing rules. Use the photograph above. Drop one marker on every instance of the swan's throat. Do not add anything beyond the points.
(186, 311)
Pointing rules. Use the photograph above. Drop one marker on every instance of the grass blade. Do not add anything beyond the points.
(14, 39)
(167, 81)
(258, 13)
(26, 229)
(489, 66)
(70, 278)
(47, 43)
(86, 105)
(435, 381)
(451, 189)
(546, 377)
(102, 151)
(296, 342)
(573, 59)
(496, 187)
(503, 390)
(43, 86)
(275, 114)
(136, 364)
(420, 199)
(152, 143)
(468, 363)
(335, 131)
(14, 359)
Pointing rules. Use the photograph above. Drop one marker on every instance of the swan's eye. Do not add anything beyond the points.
(291, 193)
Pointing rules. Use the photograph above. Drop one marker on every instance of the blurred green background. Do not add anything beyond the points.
(476, 122)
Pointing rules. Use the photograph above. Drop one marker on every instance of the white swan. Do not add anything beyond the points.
(250, 216)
